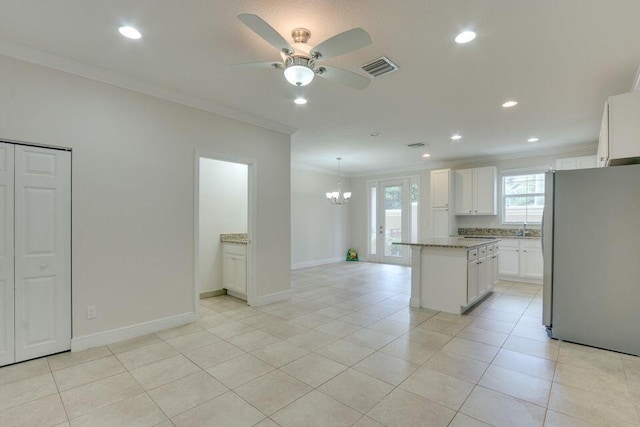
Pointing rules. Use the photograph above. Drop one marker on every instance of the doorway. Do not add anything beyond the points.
(392, 216)
(224, 211)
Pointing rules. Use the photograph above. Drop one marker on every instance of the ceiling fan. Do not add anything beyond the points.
(300, 68)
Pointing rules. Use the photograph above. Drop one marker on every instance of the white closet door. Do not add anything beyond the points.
(42, 251)
(6, 255)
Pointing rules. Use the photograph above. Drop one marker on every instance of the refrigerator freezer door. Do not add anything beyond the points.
(596, 273)
(547, 249)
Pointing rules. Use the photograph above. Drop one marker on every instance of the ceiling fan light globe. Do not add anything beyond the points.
(299, 75)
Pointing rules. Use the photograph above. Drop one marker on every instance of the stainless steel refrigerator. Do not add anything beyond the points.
(591, 250)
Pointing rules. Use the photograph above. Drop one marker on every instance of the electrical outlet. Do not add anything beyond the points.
(91, 312)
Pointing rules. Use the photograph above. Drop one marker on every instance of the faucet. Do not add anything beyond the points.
(523, 231)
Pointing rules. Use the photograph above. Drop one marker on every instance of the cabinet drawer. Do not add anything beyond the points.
(234, 249)
(482, 252)
(472, 254)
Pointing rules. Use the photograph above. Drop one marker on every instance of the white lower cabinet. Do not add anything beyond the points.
(481, 272)
(234, 268)
(521, 259)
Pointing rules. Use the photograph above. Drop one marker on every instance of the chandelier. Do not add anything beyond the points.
(338, 197)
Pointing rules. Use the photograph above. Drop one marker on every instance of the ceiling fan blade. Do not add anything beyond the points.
(344, 77)
(264, 30)
(342, 43)
(264, 65)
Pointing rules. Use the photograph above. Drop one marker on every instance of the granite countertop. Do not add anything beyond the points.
(505, 233)
(451, 242)
(240, 238)
(491, 236)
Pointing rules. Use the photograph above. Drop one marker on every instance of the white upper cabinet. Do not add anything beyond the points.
(476, 191)
(442, 223)
(620, 131)
(440, 188)
(583, 162)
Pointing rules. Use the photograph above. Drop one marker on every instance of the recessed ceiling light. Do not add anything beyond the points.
(533, 139)
(130, 32)
(456, 137)
(465, 37)
(510, 104)
(300, 101)
(374, 134)
(426, 155)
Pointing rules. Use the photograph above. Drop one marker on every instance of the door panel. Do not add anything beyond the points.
(43, 252)
(393, 218)
(6, 256)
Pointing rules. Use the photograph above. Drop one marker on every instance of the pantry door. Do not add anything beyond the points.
(7, 354)
(42, 251)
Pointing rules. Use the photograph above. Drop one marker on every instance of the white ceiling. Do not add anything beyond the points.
(559, 58)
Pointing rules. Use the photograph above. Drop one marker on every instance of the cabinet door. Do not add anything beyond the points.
(464, 191)
(603, 141)
(440, 188)
(531, 264)
(440, 222)
(494, 267)
(624, 126)
(566, 164)
(484, 191)
(509, 261)
(472, 281)
(586, 162)
(235, 273)
(6, 256)
(483, 271)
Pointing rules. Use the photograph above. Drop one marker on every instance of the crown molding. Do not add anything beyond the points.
(81, 69)
(570, 150)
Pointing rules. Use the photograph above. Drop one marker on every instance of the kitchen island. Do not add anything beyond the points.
(452, 274)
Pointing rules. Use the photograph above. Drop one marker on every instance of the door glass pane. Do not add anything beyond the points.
(415, 196)
(373, 220)
(392, 219)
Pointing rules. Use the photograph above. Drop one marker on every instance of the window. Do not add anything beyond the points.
(522, 198)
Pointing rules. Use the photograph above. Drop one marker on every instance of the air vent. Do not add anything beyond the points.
(416, 145)
(379, 67)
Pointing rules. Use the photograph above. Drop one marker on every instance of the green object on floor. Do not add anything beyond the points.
(352, 255)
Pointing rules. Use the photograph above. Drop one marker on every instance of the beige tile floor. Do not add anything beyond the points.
(344, 350)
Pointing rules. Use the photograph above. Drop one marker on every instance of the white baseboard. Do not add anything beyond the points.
(127, 332)
(271, 298)
(520, 279)
(315, 262)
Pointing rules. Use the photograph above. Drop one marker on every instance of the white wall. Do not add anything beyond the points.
(223, 207)
(133, 190)
(359, 185)
(319, 230)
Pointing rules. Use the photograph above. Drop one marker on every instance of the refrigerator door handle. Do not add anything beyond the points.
(547, 249)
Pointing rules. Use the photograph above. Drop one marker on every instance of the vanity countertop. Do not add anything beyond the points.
(240, 238)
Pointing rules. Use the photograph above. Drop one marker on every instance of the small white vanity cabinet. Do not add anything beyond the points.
(234, 269)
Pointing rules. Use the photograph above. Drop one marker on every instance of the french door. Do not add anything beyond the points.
(35, 252)
(392, 217)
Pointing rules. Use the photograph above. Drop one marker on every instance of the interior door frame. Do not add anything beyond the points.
(407, 182)
(252, 221)
(70, 150)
